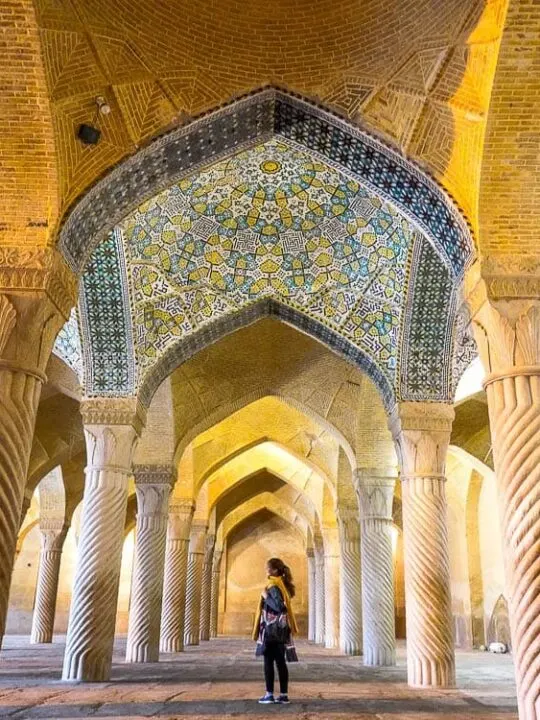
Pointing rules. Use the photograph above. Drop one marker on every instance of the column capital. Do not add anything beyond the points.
(381, 477)
(53, 533)
(180, 516)
(310, 552)
(114, 411)
(39, 269)
(421, 432)
(376, 496)
(349, 524)
(197, 538)
(154, 475)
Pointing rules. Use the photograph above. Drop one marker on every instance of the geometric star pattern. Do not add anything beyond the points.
(270, 223)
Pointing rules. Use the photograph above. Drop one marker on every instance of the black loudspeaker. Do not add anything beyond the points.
(88, 135)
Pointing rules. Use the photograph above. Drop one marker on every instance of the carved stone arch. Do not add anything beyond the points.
(380, 333)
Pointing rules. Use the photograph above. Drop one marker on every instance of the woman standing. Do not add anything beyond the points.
(274, 627)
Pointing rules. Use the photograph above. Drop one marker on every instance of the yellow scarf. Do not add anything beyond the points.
(278, 582)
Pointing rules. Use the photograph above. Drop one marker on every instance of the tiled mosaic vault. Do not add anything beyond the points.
(68, 345)
(252, 120)
(270, 230)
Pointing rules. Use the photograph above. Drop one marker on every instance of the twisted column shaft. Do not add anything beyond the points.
(350, 599)
(19, 397)
(94, 600)
(53, 533)
(312, 589)
(174, 584)
(507, 331)
(194, 584)
(331, 588)
(29, 322)
(422, 433)
(153, 486)
(319, 598)
(214, 593)
(375, 496)
(206, 588)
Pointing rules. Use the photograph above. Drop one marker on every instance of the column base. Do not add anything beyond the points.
(142, 654)
(379, 657)
(351, 649)
(87, 669)
(171, 646)
(425, 674)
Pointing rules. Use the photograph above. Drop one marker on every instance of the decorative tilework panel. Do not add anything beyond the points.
(68, 345)
(249, 121)
(274, 222)
(428, 328)
(106, 322)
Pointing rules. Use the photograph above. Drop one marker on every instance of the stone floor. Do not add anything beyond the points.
(222, 678)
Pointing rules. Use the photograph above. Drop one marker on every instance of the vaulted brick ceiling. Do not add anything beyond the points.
(419, 73)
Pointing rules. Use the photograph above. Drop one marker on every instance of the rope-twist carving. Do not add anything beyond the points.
(514, 406)
(147, 587)
(430, 645)
(351, 597)
(19, 395)
(47, 586)
(319, 601)
(312, 602)
(174, 595)
(378, 593)
(193, 598)
(95, 593)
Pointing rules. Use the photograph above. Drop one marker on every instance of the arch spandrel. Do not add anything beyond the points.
(309, 220)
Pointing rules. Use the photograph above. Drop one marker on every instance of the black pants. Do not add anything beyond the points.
(275, 653)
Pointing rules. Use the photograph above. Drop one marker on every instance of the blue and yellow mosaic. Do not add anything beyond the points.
(271, 221)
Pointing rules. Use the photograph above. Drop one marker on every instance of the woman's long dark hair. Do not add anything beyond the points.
(284, 572)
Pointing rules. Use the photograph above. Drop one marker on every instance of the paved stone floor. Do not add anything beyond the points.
(222, 678)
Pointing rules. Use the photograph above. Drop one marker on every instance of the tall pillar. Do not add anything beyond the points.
(508, 336)
(153, 486)
(214, 593)
(30, 317)
(111, 428)
(421, 432)
(194, 582)
(312, 590)
(350, 599)
(53, 533)
(331, 588)
(206, 587)
(174, 583)
(375, 497)
(319, 597)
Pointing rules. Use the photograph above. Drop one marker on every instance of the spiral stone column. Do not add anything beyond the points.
(30, 317)
(174, 583)
(112, 428)
(375, 497)
(319, 597)
(350, 599)
(153, 486)
(331, 588)
(312, 589)
(194, 582)
(53, 533)
(206, 587)
(214, 593)
(507, 330)
(422, 432)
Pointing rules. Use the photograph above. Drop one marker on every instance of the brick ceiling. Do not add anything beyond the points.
(420, 73)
